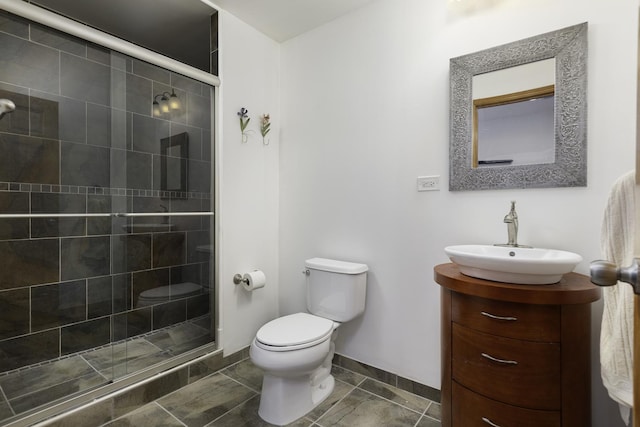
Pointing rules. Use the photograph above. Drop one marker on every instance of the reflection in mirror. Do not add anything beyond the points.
(514, 129)
(174, 152)
(538, 84)
(514, 79)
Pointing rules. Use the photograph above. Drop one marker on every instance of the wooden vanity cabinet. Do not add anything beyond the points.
(515, 355)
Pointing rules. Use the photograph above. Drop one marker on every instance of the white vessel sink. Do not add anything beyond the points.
(527, 266)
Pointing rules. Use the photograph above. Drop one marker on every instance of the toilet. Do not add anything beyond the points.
(167, 293)
(295, 351)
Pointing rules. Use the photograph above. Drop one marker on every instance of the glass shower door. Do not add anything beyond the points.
(105, 216)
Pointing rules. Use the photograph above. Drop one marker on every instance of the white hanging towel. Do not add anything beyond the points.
(616, 338)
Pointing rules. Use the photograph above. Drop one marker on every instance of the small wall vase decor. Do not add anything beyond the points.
(244, 121)
(265, 127)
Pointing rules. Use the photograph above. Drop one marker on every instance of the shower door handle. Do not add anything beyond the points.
(606, 273)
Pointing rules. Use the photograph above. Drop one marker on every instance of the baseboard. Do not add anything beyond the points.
(387, 377)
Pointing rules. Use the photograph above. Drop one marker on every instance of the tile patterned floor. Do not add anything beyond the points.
(230, 398)
(29, 388)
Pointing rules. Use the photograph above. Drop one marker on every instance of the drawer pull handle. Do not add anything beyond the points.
(488, 421)
(493, 316)
(495, 359)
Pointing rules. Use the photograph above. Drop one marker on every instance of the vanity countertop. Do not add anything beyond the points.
(573, 288)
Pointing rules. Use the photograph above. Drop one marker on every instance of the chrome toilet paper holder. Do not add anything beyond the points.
(251, 280)
(237, 279)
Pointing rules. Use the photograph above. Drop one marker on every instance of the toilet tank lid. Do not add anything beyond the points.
(334, 266)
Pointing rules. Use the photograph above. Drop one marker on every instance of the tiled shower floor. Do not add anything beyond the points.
(28, 388)
(230, 397)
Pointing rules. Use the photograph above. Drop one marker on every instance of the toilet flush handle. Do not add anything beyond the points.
(306, 272)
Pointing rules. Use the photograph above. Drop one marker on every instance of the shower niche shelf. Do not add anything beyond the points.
(515, 354)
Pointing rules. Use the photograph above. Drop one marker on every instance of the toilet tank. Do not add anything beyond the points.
(336, 290)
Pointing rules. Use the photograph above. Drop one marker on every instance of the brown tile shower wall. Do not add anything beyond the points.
(83, 140)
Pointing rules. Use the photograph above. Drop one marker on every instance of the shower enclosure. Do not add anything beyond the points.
(106, 259)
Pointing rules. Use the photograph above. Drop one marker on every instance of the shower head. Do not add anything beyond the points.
(6, 106)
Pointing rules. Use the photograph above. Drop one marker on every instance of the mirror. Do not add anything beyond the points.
(518, 114)
(174, 153)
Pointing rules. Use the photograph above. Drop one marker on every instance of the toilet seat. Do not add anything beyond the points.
(294, 332)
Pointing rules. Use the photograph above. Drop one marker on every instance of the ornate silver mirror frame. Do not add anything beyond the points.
(569, 48)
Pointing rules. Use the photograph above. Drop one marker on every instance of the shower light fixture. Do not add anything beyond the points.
(168, 101)
(174, 101)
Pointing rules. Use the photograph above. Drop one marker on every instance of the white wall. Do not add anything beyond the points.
(247, 185)
(365, 111)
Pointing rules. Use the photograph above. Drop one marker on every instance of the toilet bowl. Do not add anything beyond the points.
(295, 351)
(168, 292)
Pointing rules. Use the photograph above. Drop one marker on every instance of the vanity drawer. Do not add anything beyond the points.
(522, 373)
(507, 319)
(470, 409)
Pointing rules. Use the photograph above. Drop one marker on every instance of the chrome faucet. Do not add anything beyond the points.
(511, 219)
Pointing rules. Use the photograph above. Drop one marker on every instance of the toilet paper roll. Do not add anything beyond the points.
(254, 280)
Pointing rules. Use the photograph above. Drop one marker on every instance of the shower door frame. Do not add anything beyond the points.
(69, 26)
